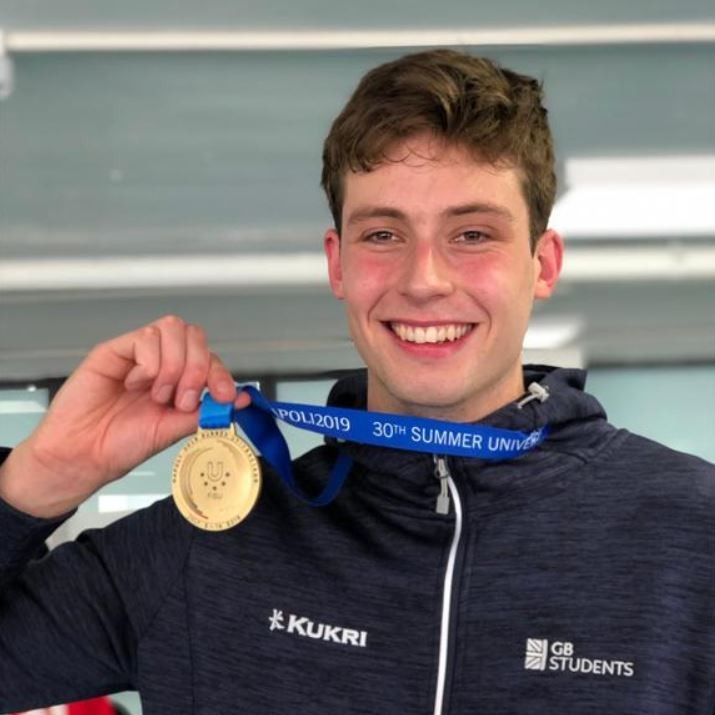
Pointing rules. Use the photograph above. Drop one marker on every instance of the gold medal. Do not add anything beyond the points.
(216, 479)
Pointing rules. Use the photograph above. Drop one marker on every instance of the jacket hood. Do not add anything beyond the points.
(577, 422)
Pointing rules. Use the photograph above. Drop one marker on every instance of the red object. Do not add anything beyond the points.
(95, 706)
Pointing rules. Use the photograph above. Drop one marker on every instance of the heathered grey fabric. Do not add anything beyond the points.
(597, 548)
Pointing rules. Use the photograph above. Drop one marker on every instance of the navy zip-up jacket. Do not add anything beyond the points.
(576, 579)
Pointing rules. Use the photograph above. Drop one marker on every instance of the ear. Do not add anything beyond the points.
(331, 244)
(548, 258)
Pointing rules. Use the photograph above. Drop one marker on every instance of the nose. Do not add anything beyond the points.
(425, 273)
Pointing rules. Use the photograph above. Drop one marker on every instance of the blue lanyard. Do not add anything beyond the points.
(419, 434)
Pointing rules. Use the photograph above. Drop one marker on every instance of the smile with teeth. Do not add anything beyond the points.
(431, 333)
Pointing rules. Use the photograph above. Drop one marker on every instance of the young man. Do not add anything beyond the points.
(575, 578)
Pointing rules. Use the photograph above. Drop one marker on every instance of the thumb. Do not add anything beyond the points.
(243, 400)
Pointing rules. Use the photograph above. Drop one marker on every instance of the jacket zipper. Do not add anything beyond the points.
(447, 487)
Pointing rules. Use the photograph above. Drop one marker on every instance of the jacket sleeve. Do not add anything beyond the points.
(71, 621)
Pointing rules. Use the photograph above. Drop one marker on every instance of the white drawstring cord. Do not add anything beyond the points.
(538, 392)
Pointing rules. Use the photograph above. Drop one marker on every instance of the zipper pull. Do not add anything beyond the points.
(442, 473)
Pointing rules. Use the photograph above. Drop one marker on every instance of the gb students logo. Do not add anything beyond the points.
(560, 656)
(305, 628)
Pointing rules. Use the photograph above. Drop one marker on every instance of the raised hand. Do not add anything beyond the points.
(130, 398)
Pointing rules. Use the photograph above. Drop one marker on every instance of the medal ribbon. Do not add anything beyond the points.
(419, 434)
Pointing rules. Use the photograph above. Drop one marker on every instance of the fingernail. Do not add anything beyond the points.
(163, 394)
(189, 400)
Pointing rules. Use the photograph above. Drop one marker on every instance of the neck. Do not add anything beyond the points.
(471, 409)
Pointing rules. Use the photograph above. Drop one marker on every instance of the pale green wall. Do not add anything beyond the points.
(673, 405)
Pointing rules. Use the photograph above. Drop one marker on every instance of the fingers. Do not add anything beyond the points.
(220, 383)
(187, 366)
(145, 358)
(171, 359)
(173, 339)
(202, 367)
(191, 353)
(132, 358)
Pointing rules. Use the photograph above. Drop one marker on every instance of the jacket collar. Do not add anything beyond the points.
(576, 419)
(566, 400)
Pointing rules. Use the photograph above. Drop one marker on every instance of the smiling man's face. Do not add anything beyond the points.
(435, 267)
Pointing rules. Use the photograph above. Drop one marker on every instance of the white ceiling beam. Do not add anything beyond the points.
(174, 271)
(275, 271)
(21, 41)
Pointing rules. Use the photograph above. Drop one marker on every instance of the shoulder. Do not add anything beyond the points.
(670, 491)
(653, 462)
